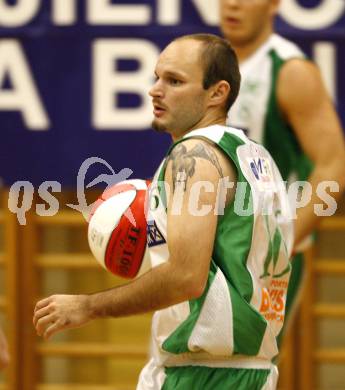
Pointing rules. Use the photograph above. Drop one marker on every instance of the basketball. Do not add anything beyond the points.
(117, 229)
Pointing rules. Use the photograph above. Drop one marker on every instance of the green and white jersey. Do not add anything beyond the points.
(241, 312)
(256, 109)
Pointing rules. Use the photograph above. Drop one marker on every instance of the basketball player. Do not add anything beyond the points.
(283, 105)
(220, 263)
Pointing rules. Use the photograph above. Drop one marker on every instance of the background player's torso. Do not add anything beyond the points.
(257, 112)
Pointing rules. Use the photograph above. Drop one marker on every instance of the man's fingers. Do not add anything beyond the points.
(52, 329)
(44, 322)
(44, 302)
(41, 313)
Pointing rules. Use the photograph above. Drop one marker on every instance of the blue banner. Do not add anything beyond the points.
(74, 77)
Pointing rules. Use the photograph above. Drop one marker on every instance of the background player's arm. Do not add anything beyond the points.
(308, 108)
(183, 277)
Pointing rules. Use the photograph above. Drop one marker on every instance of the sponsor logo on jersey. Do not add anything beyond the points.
(262, 171)
(154, 236)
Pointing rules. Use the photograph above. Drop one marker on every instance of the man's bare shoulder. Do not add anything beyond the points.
(299, 84)
(200, 153)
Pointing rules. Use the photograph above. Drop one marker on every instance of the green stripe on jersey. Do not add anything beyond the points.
(177, 342)
(279, 137)
(232, 246)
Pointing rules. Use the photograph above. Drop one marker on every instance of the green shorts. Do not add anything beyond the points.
(209, 378)
(247, 375)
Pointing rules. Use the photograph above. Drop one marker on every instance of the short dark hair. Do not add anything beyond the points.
(219, 63)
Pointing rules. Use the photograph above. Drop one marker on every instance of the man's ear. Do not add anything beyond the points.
(219, 93)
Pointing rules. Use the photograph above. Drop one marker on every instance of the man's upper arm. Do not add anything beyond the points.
(193, 173)
(305, 103)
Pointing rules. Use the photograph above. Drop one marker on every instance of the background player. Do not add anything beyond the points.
(283, 105)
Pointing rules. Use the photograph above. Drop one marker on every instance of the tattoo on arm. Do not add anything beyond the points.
(183, 162)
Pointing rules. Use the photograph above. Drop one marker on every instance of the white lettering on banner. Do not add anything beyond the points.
(169, 11)
(45, 195)
(23, 96)
(321, 16)
(19, 14)
(104, 12)
(331, 203)
(324, 54)
(107, 83)
(64, 12)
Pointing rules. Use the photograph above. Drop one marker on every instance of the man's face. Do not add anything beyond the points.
(242, 21)
(179, 100)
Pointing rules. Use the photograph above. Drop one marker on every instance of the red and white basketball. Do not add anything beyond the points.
(117, 229)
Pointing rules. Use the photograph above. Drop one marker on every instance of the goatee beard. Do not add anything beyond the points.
(159, 128)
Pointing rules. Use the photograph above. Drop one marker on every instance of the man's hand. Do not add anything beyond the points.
(60, 312)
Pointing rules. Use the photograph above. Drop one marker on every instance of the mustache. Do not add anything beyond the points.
(158, 104)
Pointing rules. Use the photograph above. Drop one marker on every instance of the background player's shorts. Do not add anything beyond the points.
(210, 378)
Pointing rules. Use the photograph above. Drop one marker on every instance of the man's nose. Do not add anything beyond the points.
(156, 89)
(231, 3)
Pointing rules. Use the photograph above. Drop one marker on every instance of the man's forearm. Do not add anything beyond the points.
(307, 217)
(155, 290)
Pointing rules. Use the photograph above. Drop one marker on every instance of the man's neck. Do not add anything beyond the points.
(221, 120)
(244, 51)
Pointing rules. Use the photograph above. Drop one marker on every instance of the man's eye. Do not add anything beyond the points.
(175, 81)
